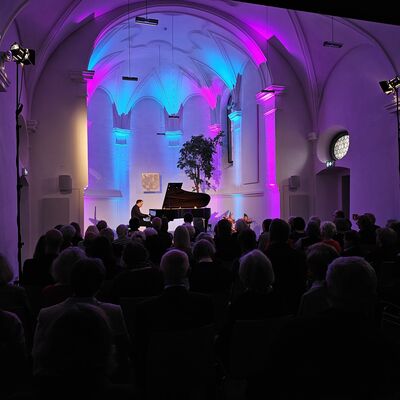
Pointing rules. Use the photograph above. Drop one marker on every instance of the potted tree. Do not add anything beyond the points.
(196, 159)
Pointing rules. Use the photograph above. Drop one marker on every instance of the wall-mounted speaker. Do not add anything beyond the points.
(65, 184)
(294, 182)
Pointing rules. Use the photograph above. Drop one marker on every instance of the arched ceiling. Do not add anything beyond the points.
(184, 55)
(297, 35)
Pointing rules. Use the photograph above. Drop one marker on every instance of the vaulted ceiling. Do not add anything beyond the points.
(203, 31)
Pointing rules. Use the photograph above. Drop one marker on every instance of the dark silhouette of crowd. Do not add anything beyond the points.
(308, 310)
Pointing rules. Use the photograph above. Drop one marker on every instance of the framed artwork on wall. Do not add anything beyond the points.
(151, 182)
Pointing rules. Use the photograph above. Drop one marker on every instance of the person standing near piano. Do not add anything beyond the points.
(136, 213)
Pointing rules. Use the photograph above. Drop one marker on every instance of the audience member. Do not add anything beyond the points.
(61, 272)
(340, 348)
(76, 358)
(108, 233)
(315, 300)
(328, 232)
(225, 244)
(101, 225)
(78, 233)
(68, 232)
(298, 229)
(313, 235)
(207, 275)
(36, 271)
(86, 279)
(102, 248)
(121, 241)
(351, 244)
(14, 368)
(139, 279)
(288, 265)
(13, 298)
(187, 223)
(182, 241)
(175, 309)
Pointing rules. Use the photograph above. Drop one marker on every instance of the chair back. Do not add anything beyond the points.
(390, 324)
(388, 272)
(128, 306)
(250, 346)
(180, 362)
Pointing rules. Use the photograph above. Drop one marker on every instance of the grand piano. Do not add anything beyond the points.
(178, 202)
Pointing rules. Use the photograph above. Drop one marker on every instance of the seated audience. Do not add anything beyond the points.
(77, 357)
(175, 309)
(36, 271)
(121, 241)
(315, 219)
(68, 232)
(86, 244)
(207, 275)
(156, 223)
(313, 235)
(86, 279)
(263, 240)
(366, 233)
(139, 279)
(386, 249)
(259, 300)
(339, 348)
(14, 369)
(14, 299)
(328, 232)
(315, 300)
(351, 244)
(288, 265)
(182, 241)
(78, 234)
(188, 224)
(225, 243)
(298, 229)
(108, 233)
(102, 248)
(61, 272)
(101, 225)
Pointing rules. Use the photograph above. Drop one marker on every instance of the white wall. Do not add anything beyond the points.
(354, 100)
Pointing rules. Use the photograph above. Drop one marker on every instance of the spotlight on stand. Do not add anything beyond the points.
(146, 21)
(389, 87)
(22, 55)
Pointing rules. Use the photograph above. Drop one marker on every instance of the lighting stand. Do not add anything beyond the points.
(396, 93)
(18, 110)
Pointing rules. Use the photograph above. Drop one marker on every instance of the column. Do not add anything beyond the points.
(236, 126)
(268, 99)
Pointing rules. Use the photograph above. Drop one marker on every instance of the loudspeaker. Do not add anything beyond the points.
(294, 182)
(65, 184)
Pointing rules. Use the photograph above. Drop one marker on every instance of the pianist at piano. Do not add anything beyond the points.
(135, 212)
(178, 202)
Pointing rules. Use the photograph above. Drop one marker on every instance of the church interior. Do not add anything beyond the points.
(94, 113)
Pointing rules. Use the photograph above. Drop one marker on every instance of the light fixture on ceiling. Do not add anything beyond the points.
(22, 55)
(129, 77)
(145, 20)
(173, 116)
(331, 43)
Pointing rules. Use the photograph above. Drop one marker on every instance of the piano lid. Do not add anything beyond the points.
(176, 197)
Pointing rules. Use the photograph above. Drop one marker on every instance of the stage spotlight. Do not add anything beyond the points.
(22, 55)
(146, 21)
(389, 87)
